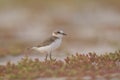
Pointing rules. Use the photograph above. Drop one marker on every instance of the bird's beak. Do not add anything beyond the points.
(64, 34)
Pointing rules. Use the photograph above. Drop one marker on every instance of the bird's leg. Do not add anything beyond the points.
(46, 57)
(50, 56)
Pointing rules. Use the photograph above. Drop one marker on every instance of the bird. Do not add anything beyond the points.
(50, 44)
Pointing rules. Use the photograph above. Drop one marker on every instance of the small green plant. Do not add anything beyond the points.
(78, 66)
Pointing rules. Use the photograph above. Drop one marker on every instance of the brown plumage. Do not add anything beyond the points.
(48, 41)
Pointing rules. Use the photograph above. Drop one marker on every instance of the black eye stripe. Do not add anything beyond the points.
(58, 32)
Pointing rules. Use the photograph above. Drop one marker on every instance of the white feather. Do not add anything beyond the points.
(49, 48)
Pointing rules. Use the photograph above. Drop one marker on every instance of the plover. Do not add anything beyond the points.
(50, 44)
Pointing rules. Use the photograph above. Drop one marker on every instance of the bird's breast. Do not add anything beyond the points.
(56, 44)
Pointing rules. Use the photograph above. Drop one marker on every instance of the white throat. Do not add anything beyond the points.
(57, 35)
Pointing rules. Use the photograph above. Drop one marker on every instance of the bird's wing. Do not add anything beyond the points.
(48, 41)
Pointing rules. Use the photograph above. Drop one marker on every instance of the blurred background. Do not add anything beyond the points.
(91, 25)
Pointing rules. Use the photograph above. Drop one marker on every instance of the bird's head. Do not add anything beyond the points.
(59, 34)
